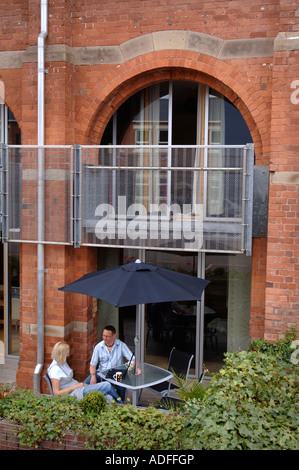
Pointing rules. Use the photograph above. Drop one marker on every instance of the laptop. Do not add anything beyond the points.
(123, 369)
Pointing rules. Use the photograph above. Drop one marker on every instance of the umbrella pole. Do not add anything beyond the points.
(139, 334)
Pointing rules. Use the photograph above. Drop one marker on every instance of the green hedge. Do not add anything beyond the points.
(116, 427)
(252, 403)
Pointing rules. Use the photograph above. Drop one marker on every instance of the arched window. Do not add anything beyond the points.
(185, 126)
(177, 113)
(186, 156)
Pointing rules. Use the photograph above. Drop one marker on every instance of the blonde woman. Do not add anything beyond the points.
(62, 380)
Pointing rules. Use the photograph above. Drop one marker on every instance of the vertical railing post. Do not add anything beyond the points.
(77, 197)
(4, 195)
(248, 198)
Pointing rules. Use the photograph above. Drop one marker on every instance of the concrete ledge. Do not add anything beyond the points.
(11, 59)
(29, 174)
(204, 43)
(157, 41)
(94, 55)
(59, 331)
(54, 53)
(245, 48)
(169, 40)
(287, 41)
(137, 46)
(285, 177)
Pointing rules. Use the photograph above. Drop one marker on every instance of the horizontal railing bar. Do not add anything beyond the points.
(41, 146)
(44, 242)
(163, 146)
(163, 248)
(132, 146)
(165, 168)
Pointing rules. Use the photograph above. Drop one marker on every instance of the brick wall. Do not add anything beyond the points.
(10, 441)
(98, 54)
(281, 305)
(258, 281)
(67, 316)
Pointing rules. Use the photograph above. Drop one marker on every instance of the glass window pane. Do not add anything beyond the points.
(227, 307)
(184, 113)
(226, 123)
(171, 324)
(143, 118)
(11, 134)
(226, 126)
(14, 299)
(1, 298)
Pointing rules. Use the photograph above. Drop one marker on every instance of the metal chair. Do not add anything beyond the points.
(48, 380)
(168, 403)
(179, 362)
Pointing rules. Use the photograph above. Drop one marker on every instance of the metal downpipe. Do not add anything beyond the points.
(40, 191)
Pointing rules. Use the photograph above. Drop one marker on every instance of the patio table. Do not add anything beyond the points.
(150, 375)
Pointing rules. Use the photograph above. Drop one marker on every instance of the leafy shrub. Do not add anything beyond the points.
(93, 402)
(125, 427)
(6, 389)
(252, 403)
(189, 389)
(129, 428)
(281, 349)
(41, 417)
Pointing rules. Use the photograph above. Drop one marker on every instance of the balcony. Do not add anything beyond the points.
(195, 198)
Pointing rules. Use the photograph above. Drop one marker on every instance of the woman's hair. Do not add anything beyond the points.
(60, 352)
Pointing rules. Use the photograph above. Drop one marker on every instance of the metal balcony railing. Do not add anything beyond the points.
(196, 198)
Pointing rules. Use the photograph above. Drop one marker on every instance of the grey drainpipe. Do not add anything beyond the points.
(40, 191)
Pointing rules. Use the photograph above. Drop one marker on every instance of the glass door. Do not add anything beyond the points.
(9, 259)
(226, 307)
(169, 324)
(13, 307)
(207, 329)
(3, 139)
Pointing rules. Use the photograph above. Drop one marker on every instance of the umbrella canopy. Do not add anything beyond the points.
(138, 283)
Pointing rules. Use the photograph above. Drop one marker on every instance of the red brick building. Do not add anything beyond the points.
(223, 73)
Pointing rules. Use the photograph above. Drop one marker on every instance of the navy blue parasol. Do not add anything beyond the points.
(138, 283)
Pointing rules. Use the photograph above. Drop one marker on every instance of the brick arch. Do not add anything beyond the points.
(13, 102)
(128, 78)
